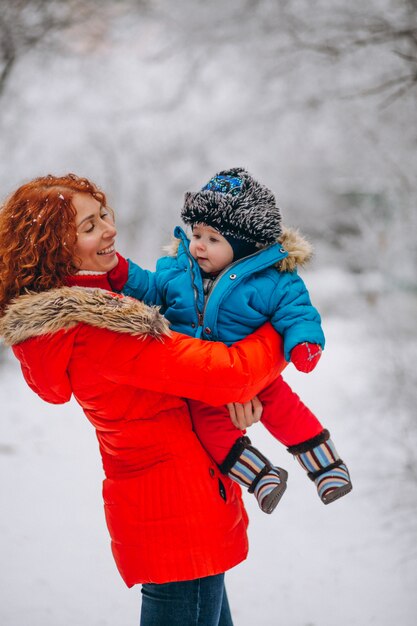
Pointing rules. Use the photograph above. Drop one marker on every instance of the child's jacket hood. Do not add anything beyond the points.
(299, 250)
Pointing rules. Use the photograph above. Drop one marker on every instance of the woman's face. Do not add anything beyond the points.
(96, 234)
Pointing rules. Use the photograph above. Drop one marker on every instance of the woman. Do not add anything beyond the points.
(174, 535)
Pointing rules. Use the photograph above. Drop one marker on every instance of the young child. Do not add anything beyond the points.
(238, 271)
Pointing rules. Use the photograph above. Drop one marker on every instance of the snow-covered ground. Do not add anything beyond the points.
(353, 563)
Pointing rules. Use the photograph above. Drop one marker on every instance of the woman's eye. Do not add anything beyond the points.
(103, 215)
(89, 230)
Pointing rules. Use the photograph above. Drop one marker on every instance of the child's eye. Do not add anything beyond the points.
(195, 236)
(213, 240)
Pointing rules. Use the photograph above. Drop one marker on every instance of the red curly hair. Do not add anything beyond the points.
(38, 234)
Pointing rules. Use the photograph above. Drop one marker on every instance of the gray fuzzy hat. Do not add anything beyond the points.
(236, 205)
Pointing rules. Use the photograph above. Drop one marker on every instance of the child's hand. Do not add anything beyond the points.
(244, 415)
(119, 274)
(305, 356)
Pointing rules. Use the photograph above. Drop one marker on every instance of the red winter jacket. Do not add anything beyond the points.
(164, 508)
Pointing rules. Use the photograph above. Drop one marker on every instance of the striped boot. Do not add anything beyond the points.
(247, 466)
(319, 458)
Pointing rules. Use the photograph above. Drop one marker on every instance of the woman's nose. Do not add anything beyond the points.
(109, 230)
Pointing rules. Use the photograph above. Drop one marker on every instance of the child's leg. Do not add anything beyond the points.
(235, 455)
(291, 422)
(285, 416)
(214, 428)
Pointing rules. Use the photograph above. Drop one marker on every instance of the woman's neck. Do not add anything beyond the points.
(96, 280)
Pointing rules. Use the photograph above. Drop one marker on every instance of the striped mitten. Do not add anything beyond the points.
(247, 466)
(319, 458)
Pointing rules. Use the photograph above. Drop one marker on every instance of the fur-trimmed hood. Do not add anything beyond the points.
(35, 314)
(298, 248)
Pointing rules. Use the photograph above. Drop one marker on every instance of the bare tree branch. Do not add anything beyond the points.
(24, 24)
(398, 94)
(409, 78)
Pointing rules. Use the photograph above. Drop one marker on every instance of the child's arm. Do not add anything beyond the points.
(295, 318)
(132, 280)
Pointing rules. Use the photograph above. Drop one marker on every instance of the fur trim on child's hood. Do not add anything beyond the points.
(299, 250)
(35, 314)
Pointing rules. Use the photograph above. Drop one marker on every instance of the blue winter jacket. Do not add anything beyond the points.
(246, 294)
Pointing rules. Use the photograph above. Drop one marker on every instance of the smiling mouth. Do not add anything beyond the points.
(108, 250)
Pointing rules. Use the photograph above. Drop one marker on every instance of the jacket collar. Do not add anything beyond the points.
(299, 250)
(36, 314)
(89, 279)
(265, 257)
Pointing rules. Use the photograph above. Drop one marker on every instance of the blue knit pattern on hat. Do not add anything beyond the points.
(224, 184)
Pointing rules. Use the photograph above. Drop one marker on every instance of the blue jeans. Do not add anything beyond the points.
(200, 602)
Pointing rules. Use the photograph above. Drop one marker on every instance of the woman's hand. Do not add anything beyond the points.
(244, 415)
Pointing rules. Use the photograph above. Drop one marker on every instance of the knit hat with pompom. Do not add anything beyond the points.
(237, 206)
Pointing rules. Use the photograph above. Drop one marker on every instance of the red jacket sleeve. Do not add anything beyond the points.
(183, 366)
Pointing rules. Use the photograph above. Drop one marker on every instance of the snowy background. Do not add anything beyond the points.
(149, 99)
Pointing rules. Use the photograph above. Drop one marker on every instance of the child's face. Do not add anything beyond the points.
(210, 249)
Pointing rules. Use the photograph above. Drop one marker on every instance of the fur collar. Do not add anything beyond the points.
(35, 314)
(299, 250)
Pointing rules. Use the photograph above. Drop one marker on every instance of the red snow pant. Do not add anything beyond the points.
(284, 415)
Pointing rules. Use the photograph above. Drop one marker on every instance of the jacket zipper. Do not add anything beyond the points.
(225, 271)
